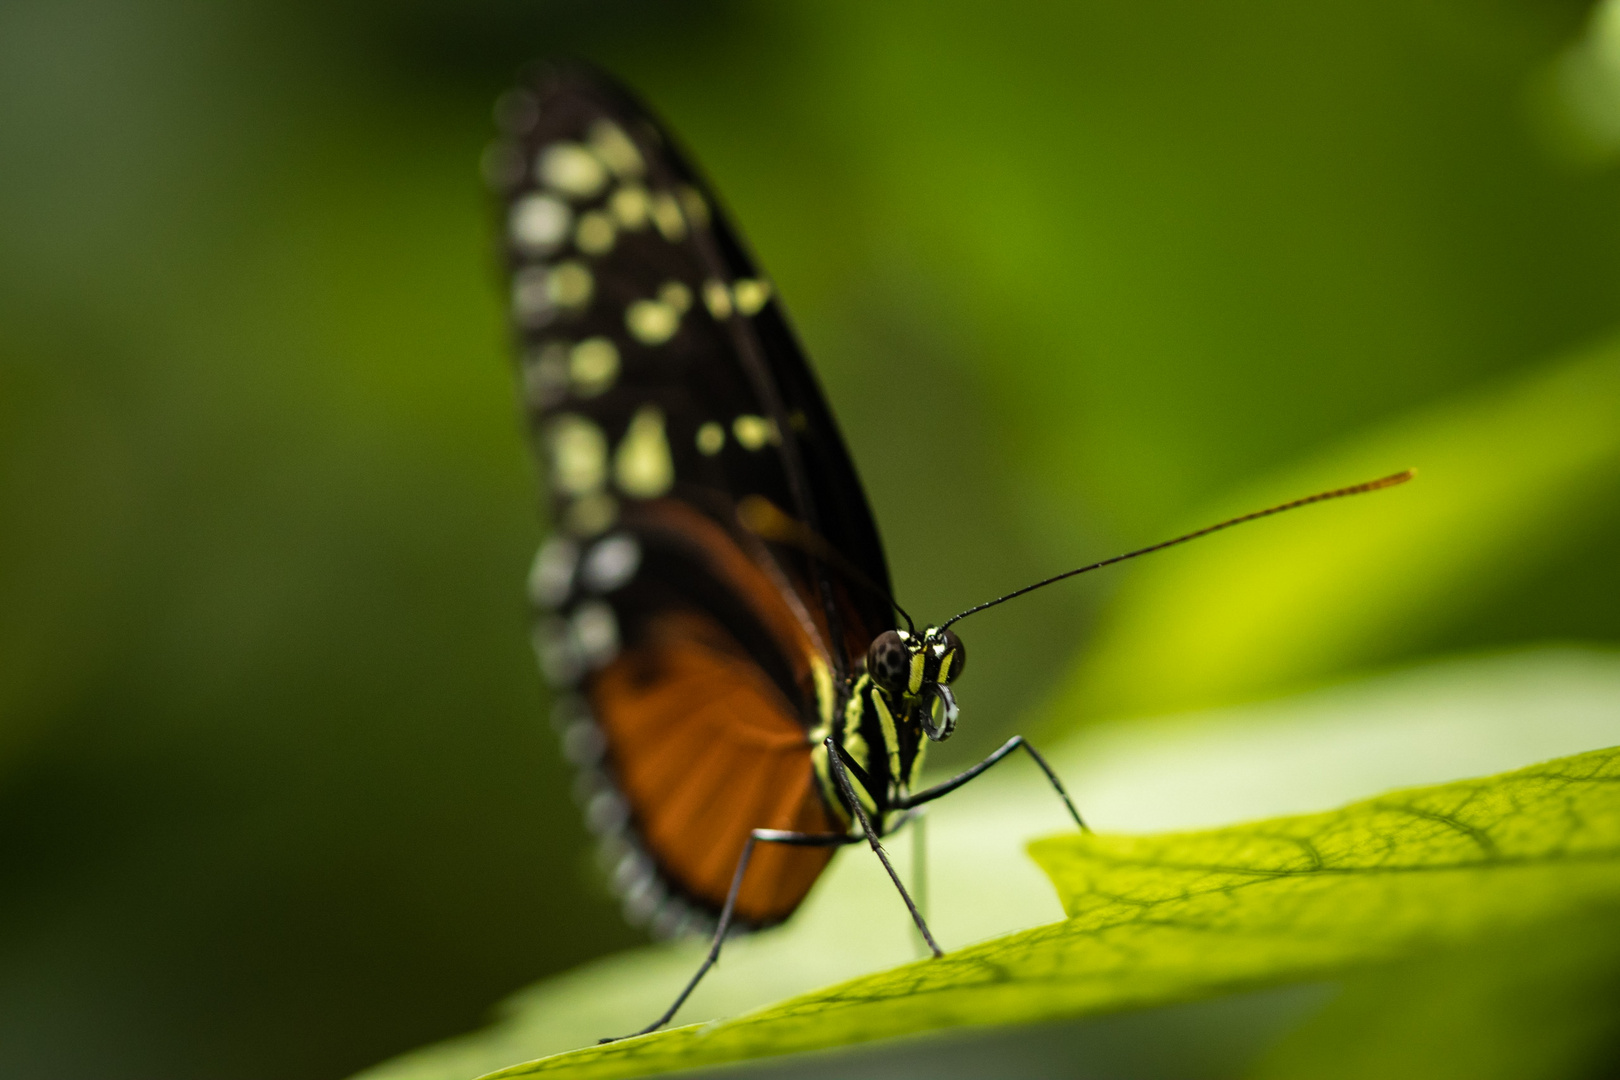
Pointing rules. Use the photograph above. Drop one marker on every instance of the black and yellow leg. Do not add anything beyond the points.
(768, 836)
(930, 794)
(840, 770)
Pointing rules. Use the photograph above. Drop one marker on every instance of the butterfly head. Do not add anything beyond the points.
(917, 669)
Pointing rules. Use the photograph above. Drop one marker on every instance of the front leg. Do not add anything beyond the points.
(758, 836)
(840, 770)
(930, 794)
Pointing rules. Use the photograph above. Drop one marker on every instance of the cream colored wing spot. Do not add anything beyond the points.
(578, 454)
(631, 206)
(570, 285)
(651, 322)
(540, 293)
(531, 296)
(695, 206)
(595, 234)
(555, 652)
(551, 577)
(545, 374)
(614, 148)
(538, 223)
(676, 295)
(591, 514)
(610, 564)
(753, 432)
(593, 364)
(666, 214)
(571, 170)
(594, 631)
(717, 298)
(711, 439)
(751, 295)
(642, 466)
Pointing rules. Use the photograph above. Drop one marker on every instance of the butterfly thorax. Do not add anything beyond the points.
(894, 707)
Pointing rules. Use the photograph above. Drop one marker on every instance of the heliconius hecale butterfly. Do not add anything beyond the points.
(714, 607)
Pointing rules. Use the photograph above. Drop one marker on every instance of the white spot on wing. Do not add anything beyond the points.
(666, 214)
(531, 296)
(651, 322)
(595, 234)
(631, 206)
(711, 439)
(614, 148)
(551, 578)
(642, 466)
(642, 901)
(676, 295)
(583, 743)
(538, 223)
(578, 454)
(540, 293)
(595, 633)
(753, 431)
(570, 285)
(516, 111)
(545, 374)
(611, 563)
(751, 295)
(695, 206)
(571, 169)
(554, 648)
(592, 366)
(606, 812)
(717, 298)
(590, 515)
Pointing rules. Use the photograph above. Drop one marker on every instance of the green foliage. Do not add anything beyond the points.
(1539, 1002)
(277, 794)
(1504, 477)
(1171, 917)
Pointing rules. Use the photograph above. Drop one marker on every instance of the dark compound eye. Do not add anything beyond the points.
(888, 661)
(954, 658)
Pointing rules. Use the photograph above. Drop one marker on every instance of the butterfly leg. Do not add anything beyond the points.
(768, 836)
(930, 794)
(840, 771)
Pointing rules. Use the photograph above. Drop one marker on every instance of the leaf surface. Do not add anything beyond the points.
(1173, 917)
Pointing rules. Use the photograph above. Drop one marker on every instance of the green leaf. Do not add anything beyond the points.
(1166, 918)
(1541, 1003)
(1507, 481)
(1435, 723)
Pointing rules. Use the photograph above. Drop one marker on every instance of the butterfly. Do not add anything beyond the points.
(714, 608)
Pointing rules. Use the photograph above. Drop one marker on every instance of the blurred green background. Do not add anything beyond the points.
(277, 795)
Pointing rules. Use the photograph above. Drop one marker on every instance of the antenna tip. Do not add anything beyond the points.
(1382, 482)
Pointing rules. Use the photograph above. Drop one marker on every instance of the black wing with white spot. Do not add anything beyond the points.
(678, 426)
(655, 357)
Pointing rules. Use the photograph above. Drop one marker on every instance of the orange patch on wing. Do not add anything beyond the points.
(705, 749)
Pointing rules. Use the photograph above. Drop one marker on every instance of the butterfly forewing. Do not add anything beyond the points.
(665, 393)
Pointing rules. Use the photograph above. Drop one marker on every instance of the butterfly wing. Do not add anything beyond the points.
(666, 395)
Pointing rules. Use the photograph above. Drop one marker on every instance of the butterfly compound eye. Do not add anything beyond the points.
(888, 661)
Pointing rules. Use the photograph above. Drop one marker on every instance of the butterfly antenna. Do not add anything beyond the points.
(1324, 496)
(766, 520)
